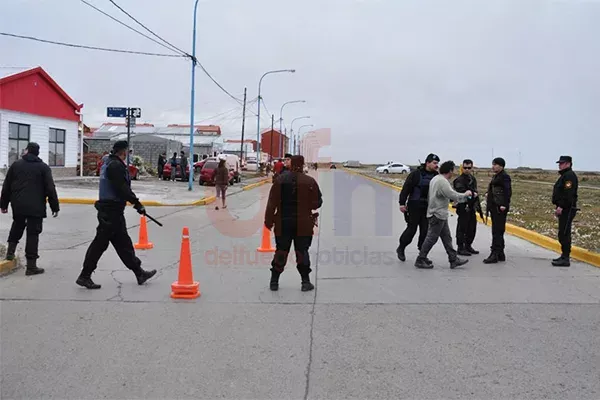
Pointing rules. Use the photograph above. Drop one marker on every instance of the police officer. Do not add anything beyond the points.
(564, 197)
(292, 199)
(27, 184)
(413, 203)
(466, 227)
(115, 192)
(498, 205)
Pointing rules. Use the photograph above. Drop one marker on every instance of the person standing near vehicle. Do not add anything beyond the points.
(498, 205)
(221, 178)
(440, 194)
(564, 197)
(114, 193)
(292, 199)
(162, 160)
(183, 165)
(413, 203)
(27, 184)
(466, 227)
(173, 162)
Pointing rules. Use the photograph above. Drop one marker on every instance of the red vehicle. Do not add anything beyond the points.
(167, 170)
(208, 169)
(133, 170)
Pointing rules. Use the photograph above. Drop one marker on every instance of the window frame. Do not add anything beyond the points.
(18, 139)
(52, 145)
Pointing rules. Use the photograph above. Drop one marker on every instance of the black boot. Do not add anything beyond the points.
(32, 268)
(142, 276)
(557, 259)
(458, 262)
(471, 250)
(86, 281)
(501, 256)
(564, 261)
(422, 263)
(306, 285)
(428, 261)
(462, 251)
(10, 251)
(400, 253)
(492, 259)
(274, 285)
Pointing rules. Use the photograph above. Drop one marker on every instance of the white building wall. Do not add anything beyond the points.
(40, 133)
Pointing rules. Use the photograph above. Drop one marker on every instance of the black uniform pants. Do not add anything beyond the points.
(417, 219)
(498, 229)
(565, 220)
(466, 227)
(112, 229)
(283, 244)
(34, 228)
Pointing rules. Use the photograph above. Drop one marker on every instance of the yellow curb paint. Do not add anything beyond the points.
(7, 266)
(546, 242)
(253, 185)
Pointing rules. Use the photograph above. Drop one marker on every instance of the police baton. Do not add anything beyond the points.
(153, 220)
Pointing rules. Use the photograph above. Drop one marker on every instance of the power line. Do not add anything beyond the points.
(217, 83)
(80, 46)
(125, 25)
(146, 28)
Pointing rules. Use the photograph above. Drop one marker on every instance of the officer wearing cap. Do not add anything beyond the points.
(413, 203)
(498, 205)
(114, 193)
(564, 197)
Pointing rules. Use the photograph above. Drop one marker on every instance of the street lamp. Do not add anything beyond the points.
(292, 132)
(193, 95)
(299, 129)
(258, 116)
(281, 118)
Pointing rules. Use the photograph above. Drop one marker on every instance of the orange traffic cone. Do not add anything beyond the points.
(185, 287)
(266, 246)
(143, 243)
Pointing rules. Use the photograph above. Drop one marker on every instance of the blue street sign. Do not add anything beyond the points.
(116, 112)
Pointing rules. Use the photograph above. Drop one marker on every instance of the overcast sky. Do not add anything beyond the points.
(394, 80)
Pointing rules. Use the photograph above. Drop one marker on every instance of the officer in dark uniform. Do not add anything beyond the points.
(413, 203)
(292, 199)
(115, 192)
(498, 205)
(466, 227)
(564, 197)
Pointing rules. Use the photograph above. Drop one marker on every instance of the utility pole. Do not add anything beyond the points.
(243, 127)
(272, 125)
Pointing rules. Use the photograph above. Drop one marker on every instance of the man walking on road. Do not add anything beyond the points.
(27, 184)
(467, 218)
(292, 199)
(115, 192)
(440, 194)
(564, 197)
(498, 204)
(413, 203)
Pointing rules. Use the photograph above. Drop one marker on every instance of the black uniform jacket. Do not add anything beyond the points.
(27, 184)
(292, 199)
(499, 191)
(564, 194)
(463, 183)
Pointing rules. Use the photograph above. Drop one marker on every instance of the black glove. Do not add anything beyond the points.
(140, 209)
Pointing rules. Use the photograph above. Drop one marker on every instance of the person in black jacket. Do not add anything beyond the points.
(564, 197)
(162, 160)
(115, 192)
(498, 205)
(292, 199)
(413, 203)
(466, 227)
(27, 184)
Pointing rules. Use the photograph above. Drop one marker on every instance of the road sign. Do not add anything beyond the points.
(136, 112)
(131, 122)
(116, 112)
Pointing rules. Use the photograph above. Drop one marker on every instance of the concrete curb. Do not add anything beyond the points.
(577, 253)
(153, 203)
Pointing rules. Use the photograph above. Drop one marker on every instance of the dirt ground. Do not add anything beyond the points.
(531, 205)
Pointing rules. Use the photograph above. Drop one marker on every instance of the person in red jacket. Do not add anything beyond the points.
(277, 169)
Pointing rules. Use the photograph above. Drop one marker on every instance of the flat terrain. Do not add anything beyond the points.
(374, 328)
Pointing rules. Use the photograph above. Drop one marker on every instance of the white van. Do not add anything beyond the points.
(234, 164)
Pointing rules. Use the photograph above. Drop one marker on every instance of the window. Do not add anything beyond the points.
(18, 138)
(56, 151)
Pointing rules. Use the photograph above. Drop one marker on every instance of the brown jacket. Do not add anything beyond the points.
(221, 176)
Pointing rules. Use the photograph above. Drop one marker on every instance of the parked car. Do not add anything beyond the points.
(351, 164)
(134, 171)
(208, 169)
(251, 164)
(394, 168)
(167, 170)
(332, 166)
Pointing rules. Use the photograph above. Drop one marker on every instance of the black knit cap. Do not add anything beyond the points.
(120, 145)
(33, 148)
(432, 157)
(499, 161)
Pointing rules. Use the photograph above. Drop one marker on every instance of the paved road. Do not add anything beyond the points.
(374, 328)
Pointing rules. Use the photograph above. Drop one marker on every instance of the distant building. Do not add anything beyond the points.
(34, 108)
(275, 138)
